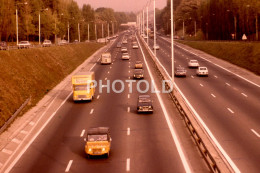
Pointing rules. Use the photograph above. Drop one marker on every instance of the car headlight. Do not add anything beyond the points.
(103, 149)
(140, 107)
(150, 106)
(89, 149)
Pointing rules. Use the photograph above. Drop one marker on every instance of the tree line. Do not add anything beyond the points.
(214, 19)
(56, 16)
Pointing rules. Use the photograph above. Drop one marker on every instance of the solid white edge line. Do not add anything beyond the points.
(223, 152)
(68, 166)
(255, 133)
(173, 133)
(35, 136)
(128, 164)
(82, 133)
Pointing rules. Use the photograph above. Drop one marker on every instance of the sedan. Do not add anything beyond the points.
(138, 74)
(144, 104)
(193, 64)
(202, 71)
(156, 47)
(123, 49)
(180, 72)
(125, 56)
(138, 64)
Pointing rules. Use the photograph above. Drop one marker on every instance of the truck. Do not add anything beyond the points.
(106, 58)
(83, 85)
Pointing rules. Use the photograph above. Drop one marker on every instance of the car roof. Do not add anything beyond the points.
(143, 96)
(98, 130)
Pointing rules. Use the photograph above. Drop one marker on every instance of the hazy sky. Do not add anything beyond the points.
(122, 5)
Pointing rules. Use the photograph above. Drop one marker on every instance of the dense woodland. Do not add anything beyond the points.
(55, 20)
(215, 19)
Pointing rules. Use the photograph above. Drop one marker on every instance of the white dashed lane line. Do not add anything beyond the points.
(255, 133)
(192, 76)
(230, 110)
(128, 109)
(6, 151)
(68, 166)
(244, 94)
(128, 131)
(228, 84)
(201, 85)
(24, 132)
(92, 110)
(213, 95)
(31, 123)
(215, 76)
(128, 96)
(98, 96)
(127, 164)
(82, 133)
(17, 141)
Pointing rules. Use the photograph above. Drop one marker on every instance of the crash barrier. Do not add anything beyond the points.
(10, 120)
(184, 110)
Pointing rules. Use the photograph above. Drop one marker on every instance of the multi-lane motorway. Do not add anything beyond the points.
(140, 142)
(228, 104)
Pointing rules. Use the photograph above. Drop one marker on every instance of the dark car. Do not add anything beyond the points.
(138, 74)
(144, 104)
(180, 72)
(3, 45)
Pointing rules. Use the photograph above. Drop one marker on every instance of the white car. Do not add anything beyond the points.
(124, 41)
(193, 64)
(156, 47)
(46, 43)
(24, 44)
(202, 71)
(63, 42)
(125, 56)
(123, 49)
(135, 46)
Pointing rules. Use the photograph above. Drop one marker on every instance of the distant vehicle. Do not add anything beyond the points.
(118, 45)
(176, 37)
(135, 45)
(145, 37)
(193, 64)
(46, 43)
(156, 47)
(106, 58)
(76, 41)
(138, 74)
(124, 41)
(144, 104)
(24, 44)
(125, 56)
(3, 45)
(138, 64)
(180, 71)
(83, 86)
(98, 141)
(202, 71)
(123, 49)
(63, 42)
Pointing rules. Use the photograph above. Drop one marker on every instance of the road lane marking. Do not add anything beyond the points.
(98, 96)
(32, 123)
(128, 96)
(167, 117)
(128, 109)
(127, 164)
(129, 66)
(9, 152)
(129, 77)
(82, 133)
(110, 67)
(213, 95)
(91, 111)
(201, 85)
(192, 76)
(228, 84)
(108, 72)
(24, 132)
(255, 133)
(244, 94)
(230, 110)
(128, 131)
(17, 141)
(68, 166)
(215, 76)
(105, 78)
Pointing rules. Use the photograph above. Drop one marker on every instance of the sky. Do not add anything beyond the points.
(123, 5)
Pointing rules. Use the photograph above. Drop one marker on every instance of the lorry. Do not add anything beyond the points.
(106, 58)
(83, 86)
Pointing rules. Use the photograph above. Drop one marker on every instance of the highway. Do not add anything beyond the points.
(229, 105)
(140, 142)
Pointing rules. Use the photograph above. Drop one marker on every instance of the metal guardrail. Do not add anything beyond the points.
(7, 123)
(176, 97)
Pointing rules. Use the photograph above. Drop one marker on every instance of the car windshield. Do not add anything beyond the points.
(144, 100)
(193, 61)
(125, 53)
(23, 42)
(203, 68)
(81, 87)
(138, 62)
(101, 137)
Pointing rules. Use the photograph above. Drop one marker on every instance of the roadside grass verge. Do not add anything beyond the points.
(243, 54)
(34, 72)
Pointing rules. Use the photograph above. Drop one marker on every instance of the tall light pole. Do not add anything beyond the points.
(147, 24)
(88, 31)
(154, 28)
(16, 14)
(172, 41)
(102, 30)
(79, 32)
(68, 31)
(40, 24)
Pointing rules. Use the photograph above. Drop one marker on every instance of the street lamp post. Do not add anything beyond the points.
(40, 24)
(16, 14)
(147, 24)
(56, 28)
(154, 28)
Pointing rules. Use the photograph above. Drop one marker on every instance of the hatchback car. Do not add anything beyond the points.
(193, 64)
(180, 72)
(202, 71)
(98, 141)
(138, 64)
(46, 43)
(3, 45)
(125, 56)
(138, 74)
(144, 104)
